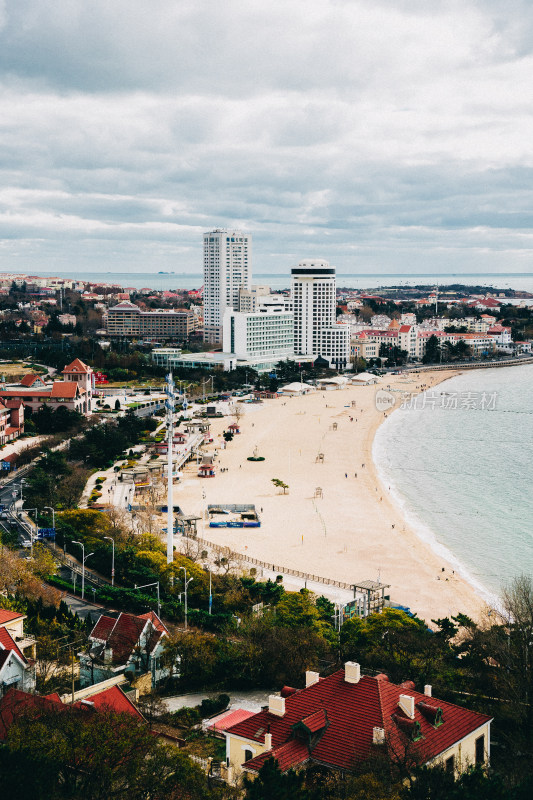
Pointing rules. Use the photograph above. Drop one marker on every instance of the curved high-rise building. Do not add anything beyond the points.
(314, 302)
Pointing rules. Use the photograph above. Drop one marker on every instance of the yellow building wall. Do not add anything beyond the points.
(15, 628)
(464, 752)
(235, 747)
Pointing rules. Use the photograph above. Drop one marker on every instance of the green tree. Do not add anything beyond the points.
(433, 351)
(273, 784)
(279, 484)
(95, 756)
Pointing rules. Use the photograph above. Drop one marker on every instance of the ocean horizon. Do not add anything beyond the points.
(457, 461)
(520, 281)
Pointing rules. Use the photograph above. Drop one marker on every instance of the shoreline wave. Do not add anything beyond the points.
(422, 530)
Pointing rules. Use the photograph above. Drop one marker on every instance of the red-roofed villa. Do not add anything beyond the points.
(125, 644)
(346, 718)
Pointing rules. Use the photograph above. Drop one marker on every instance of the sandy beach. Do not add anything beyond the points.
(355, 531)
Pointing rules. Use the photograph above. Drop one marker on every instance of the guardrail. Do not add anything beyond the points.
(274, 567)
(511, 362)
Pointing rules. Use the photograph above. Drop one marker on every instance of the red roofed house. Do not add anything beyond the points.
(74, 392)
(30, 380)
(16, 670)
(347, 718)
(125, 644)
(16, 702)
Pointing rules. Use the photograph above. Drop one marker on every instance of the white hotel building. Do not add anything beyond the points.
(314, 301)
(227, 269)
(262, 337)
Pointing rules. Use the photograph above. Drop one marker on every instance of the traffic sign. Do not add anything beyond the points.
(46, 533)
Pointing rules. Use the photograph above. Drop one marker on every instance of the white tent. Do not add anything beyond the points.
(338, 382)
(296, 388)
(364, 378)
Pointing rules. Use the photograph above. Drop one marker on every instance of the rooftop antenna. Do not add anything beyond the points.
(437, 300)
(169, 404)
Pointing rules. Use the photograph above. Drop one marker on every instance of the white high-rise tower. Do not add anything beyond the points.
(227, 268)
(314, 299)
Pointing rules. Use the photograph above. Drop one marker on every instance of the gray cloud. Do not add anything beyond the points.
(382, 136)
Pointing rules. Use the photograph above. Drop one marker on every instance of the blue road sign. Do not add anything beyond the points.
(46, 533)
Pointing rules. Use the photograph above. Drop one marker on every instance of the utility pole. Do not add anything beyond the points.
(186, 585)
(112, 559)
(145, 586)
(84, 559)
(170, 402)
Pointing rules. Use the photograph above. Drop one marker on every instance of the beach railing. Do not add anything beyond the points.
(281, 570)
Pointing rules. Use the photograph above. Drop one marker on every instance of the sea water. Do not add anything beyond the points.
(282, 280)
(458, 459)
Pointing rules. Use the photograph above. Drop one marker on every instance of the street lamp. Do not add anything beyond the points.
(186, 584)
(112, 559)
(84, 559)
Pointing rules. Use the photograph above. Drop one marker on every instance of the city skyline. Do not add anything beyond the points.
(386, 138)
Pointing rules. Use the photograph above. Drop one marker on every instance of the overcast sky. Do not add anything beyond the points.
(383, 135)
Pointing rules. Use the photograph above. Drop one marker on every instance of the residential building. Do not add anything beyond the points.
(367, 343)
(17, 653)
(346, 718)
(248, 298)
(227, 269)
(11, 420)
(67, 319)
(479, 344)
(17, 703)
(407, 339)
(128, 643)
(75, 392)
(501, 335)
(316, 332)
(128, 320)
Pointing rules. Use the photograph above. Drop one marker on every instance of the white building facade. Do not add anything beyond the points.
(227, 268)
(316, 333)
(264, 337)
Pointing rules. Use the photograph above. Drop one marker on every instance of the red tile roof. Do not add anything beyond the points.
(112, 699)
(67, 389)
(226, 720)
(122, 635)
(353, 710)
(103, 628)
(316, 721)
(8, 643)
(77, 366)
(29, 379)
(288, 755)
(15, 702)
(9, 616)
(154, 619)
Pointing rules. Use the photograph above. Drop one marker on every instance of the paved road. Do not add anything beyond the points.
(251, 700)
(82, 608)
